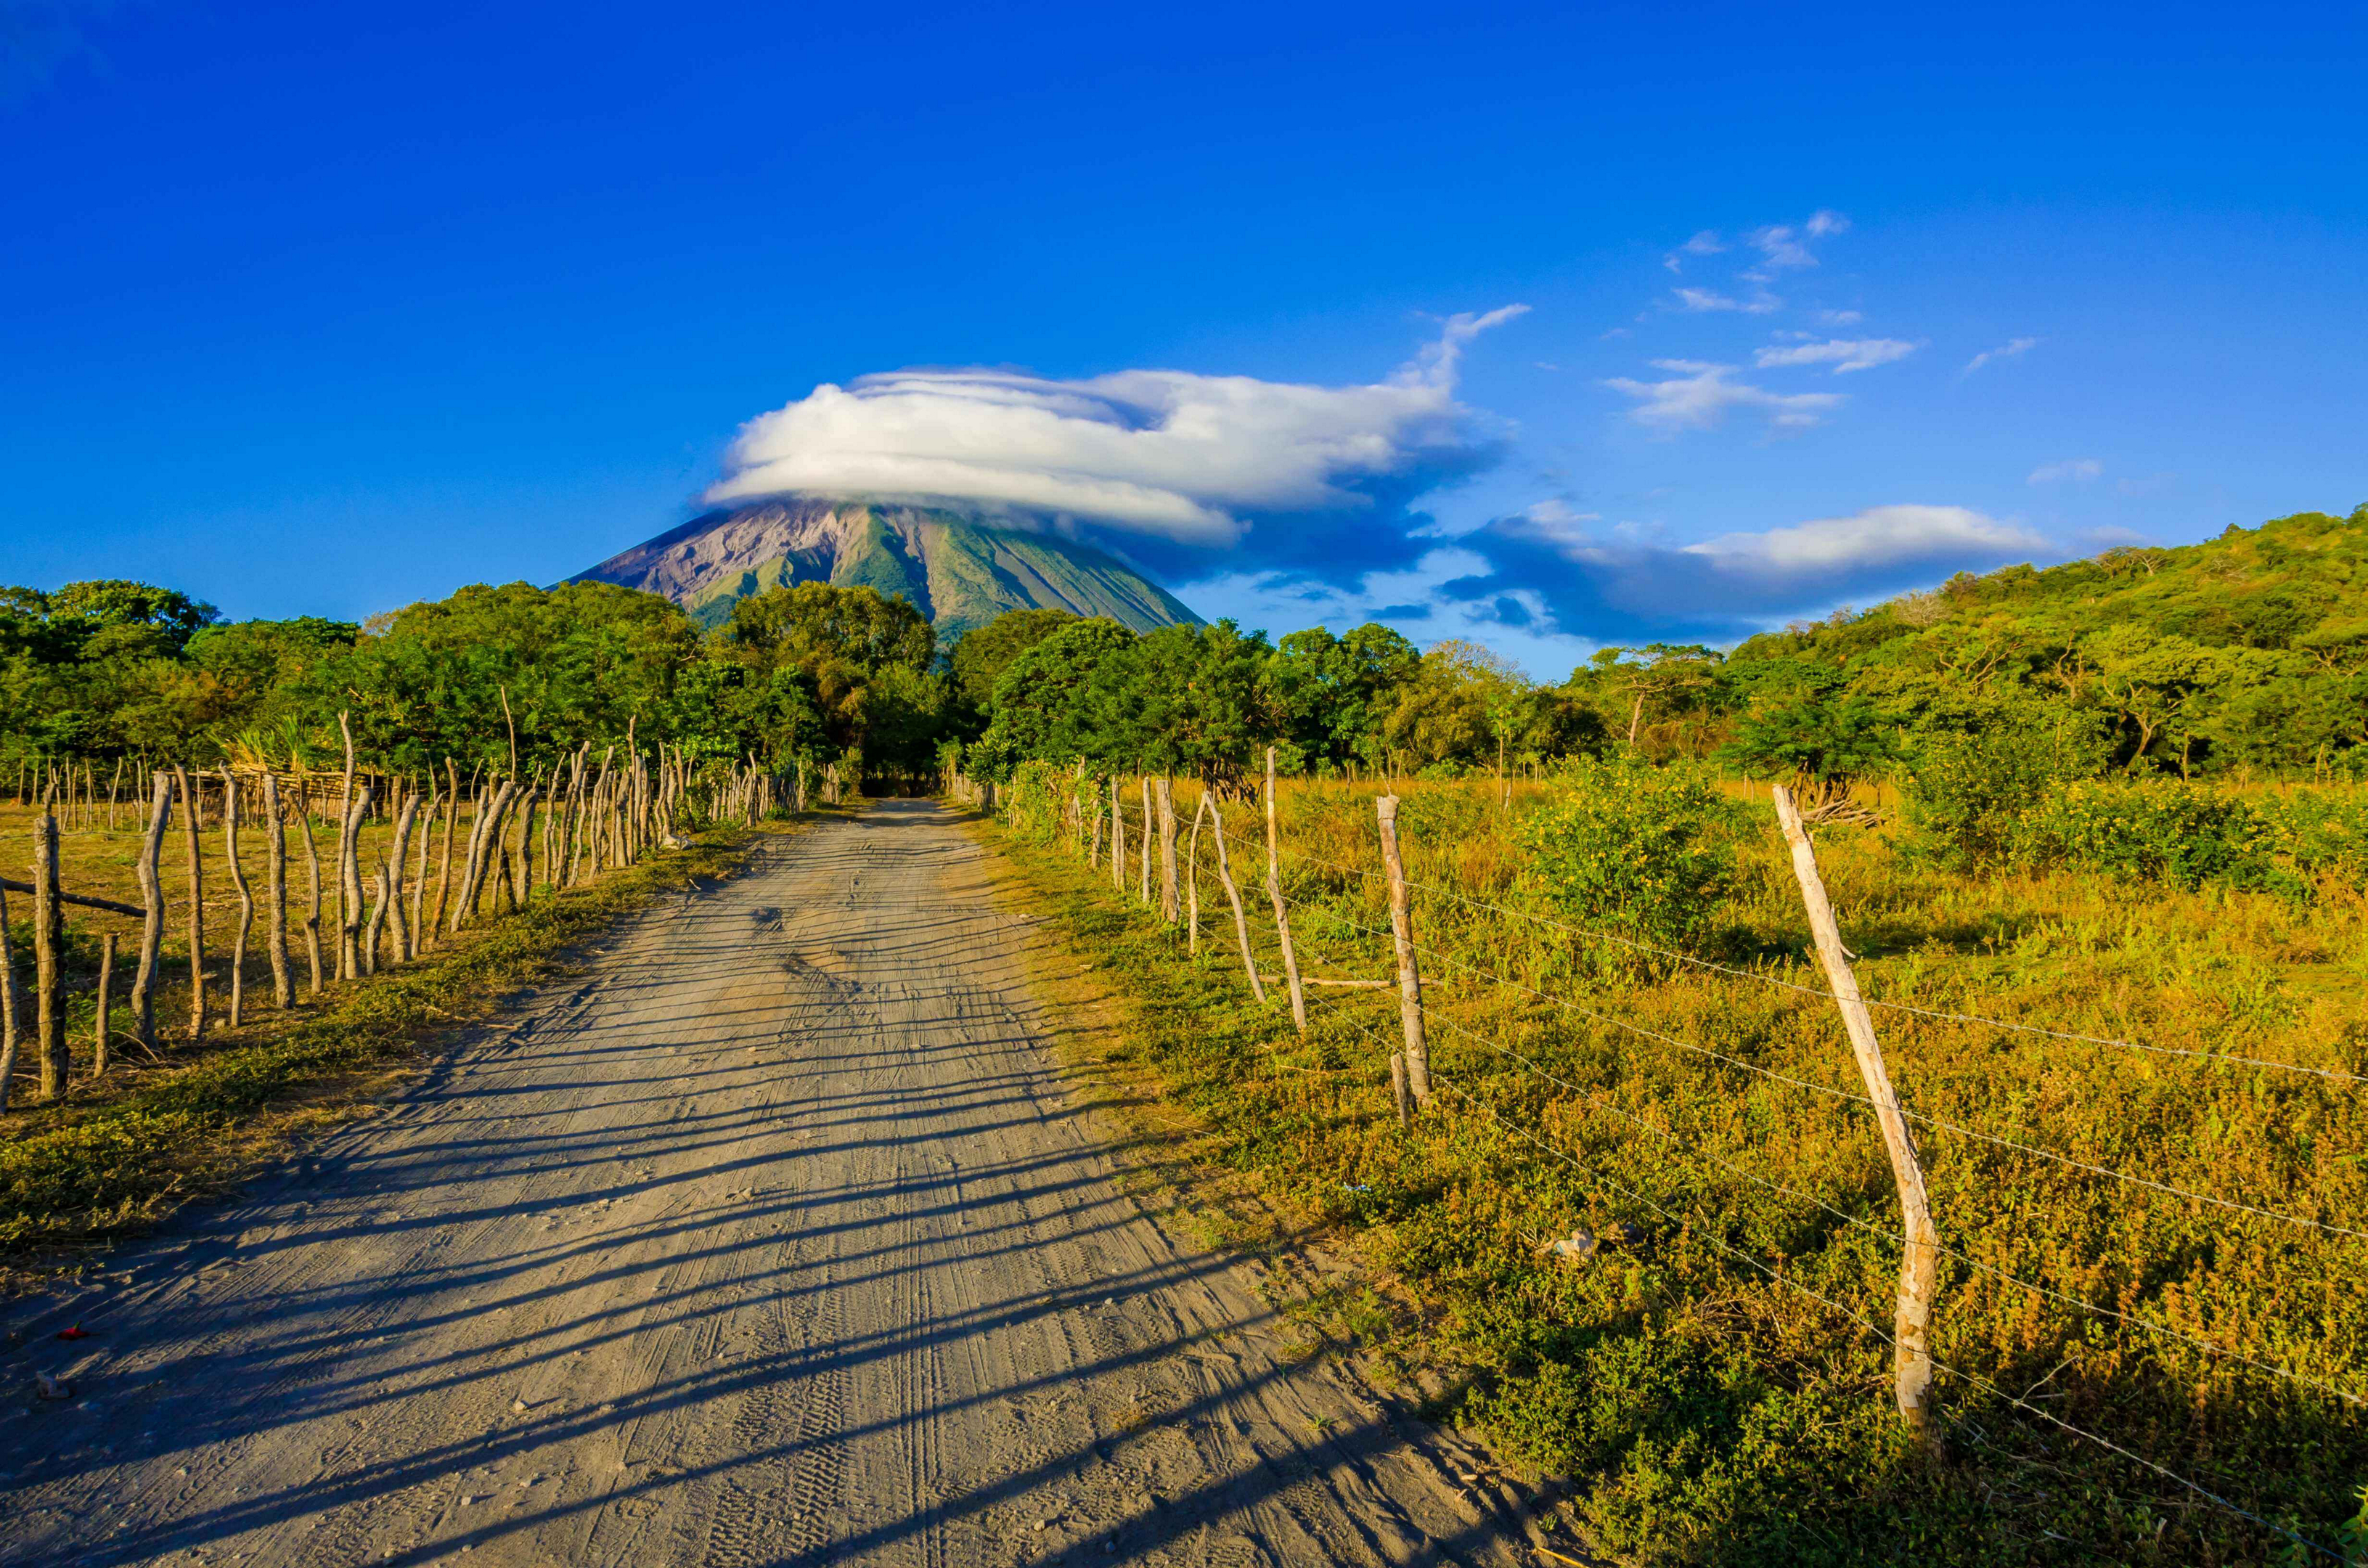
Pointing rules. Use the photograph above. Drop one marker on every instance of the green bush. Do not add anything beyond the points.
(1624, 844)
(1968, 794)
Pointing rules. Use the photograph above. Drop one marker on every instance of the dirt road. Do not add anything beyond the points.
(774, 1240)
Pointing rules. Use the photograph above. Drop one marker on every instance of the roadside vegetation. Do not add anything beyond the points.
(1713, 1379)
(121, 1150)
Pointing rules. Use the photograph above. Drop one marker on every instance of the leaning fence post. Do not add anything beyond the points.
(49, 1006)
(1234, 897)
(1418, 1051)
(99, 1024)
(7, 1005)
(1919, 1268)
(151, 924)
(1281, 915)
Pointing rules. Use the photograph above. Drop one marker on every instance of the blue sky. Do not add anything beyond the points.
(326, 308)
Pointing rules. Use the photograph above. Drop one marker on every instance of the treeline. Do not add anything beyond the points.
(98, 675)
(2247, 656)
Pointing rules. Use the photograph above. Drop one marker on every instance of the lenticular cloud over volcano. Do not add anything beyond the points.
(1165, 454)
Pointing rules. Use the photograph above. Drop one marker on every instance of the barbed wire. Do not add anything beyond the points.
(1433, 1012)
(1976, 1380)
(1937, 1014)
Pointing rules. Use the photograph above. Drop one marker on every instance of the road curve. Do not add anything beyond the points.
(773, 1239)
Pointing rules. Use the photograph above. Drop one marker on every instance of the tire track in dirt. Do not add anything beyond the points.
(775, 1241)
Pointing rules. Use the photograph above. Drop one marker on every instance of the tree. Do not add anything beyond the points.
(979, 657)
(1045, 701)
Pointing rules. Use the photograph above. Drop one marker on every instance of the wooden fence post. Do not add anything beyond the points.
(1919, 1268)
(1192, 880)
(1167, 796)
(151, 924)
(48, 933)
(245, 898)
(100, 1024)
(8, 1004)
(1142, 895)
(275, 924)
(1398, 1088)
(1418, 1050)
(197, 924)
(1117, 837)
(313, 885)
(1233, 896)
(1274, 895)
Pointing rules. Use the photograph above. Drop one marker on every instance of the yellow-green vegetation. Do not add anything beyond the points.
(1714, 1378)
(121, 1150)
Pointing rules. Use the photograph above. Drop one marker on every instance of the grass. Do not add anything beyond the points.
(1717, 1387)
(121, 1150)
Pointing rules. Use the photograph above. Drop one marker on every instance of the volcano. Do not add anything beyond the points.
(957, 570)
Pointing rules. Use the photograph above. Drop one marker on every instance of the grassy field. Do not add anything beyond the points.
(1715, 1382)
(121, 1150)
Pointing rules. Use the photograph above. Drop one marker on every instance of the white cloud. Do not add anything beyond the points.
(2083, 469)
(1558, 514)
(1843, 354)
(1759, 304)
(1841, 318)
(1698, 396)
(2007, 350)
(1879, 539)
(1611, 586)
(1705, 243)
(1824, 221)
(1166, 453)
(1780, 246)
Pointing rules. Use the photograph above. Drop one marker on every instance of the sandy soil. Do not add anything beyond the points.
(774, 1239)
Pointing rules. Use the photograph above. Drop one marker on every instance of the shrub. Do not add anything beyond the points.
(1623, 842)
(1968, 794)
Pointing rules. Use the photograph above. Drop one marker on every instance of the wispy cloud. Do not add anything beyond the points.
(1608, 587)
(1842, 354)
(1783, 246)
(1759, 304)
(1705, 243)
(2082, 469)
(2010, 348)
(1698, 394)
(1841, 318)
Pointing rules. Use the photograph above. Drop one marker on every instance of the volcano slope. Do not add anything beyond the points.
(775, 1238)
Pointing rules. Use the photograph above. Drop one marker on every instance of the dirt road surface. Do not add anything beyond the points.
(774, 1239)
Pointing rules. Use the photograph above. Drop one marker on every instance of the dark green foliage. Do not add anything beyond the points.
(978, 658)
(1634, 849)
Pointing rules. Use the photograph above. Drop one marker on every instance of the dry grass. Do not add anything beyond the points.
(1721, 1412)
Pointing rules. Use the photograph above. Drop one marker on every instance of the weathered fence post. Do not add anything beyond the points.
(349, 882)
(1233, 896)
(245, 898)
(313, 885)
(8, 1004)
(1117, 837)
(1417, 1050)
(1398, 1088)
(102, 1021)
(1274, 895)
(275, 925)
(49, 935)
(197, 925)
(151, 924)
(1192, 880)
(1143, 894)
(1919, 1268)
(1167, 796)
